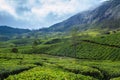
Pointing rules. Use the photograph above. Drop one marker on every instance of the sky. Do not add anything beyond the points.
(35, 14)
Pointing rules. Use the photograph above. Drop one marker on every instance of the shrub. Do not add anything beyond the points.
(53, 41)
(14, 50)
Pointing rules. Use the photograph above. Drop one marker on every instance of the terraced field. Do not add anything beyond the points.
(38, 67)
(93, 48)
(95, 58)
(110, 39)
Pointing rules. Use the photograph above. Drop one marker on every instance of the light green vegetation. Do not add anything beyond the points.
(39, 66)
(115, 78)
(41, 73)
(91, 32)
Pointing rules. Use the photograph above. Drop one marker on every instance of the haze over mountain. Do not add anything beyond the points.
(35, 14)
(9, 30)
(7, 33)
(105, 16)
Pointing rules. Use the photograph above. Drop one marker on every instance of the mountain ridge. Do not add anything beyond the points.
(4, 30)
(106, 15)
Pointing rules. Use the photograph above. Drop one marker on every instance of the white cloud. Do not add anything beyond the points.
(103, 0)
(60, 7)
(5, 7)
(39, 11)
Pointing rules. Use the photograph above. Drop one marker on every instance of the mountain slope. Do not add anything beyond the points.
(5, 30)
(105, 16)
(102, 47)
(7, 33)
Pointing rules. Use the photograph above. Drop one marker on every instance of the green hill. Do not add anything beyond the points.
(103, 47)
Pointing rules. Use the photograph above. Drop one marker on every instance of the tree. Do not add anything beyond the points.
(35, 43)
(14, 50)
(74, 39)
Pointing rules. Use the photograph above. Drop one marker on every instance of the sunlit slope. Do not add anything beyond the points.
(101, 47)
(38, 67)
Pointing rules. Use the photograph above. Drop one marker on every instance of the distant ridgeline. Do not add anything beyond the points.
(6, 32)
(106, 16)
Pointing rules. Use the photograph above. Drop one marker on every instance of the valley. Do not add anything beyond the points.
(85, 46)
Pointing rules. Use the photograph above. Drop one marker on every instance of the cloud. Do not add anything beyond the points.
(42, 12)
(103, 0)
(5, 7)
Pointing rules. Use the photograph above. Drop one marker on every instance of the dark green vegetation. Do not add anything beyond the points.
(5, 30)
(102, 47)
(7, 33)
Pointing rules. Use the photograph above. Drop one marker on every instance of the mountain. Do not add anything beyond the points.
(106, 15)
(6, 30)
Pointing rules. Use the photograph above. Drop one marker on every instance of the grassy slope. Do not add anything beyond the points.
(101, 48)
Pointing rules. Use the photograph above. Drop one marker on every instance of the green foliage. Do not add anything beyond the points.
(52, 41)
(35, 43)
(20, 42)
(74, 39)
(46, 73)
(14, 50)
(97, 58)
(118, 78)
(31, 66)
(85, 50)
(112, 39)
(97, 48)
(78, 69)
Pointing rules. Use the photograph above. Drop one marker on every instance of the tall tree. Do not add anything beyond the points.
(74, 39)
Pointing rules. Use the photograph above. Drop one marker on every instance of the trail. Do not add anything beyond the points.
(103, 44)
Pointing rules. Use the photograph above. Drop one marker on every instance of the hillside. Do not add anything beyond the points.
(105, 16)
(7, 33)
(6, 30)
(102, 47)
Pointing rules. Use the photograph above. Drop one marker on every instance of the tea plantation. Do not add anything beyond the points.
(92, 58)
